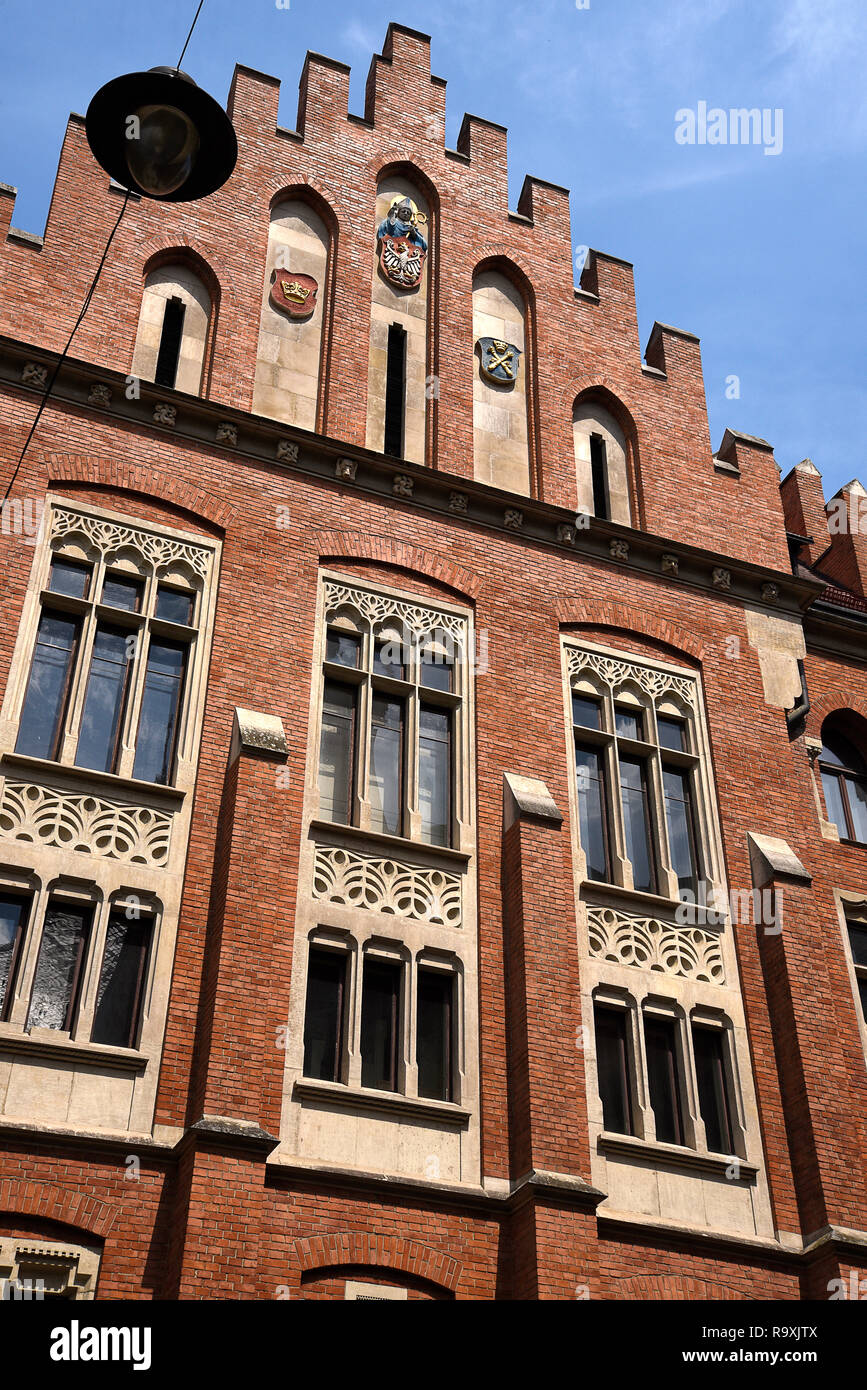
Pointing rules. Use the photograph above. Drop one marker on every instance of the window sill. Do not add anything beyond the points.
(400, 1106)
(140, 791)
(399, 845)
(61, 1048)
(674, 1155)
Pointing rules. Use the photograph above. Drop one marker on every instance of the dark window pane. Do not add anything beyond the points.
(599, 475)
(395, 390)
(434, 774)
(436, 665)
(160, 708)
(857, 793)
(170, 342)
(120, 592)
(386, 765)
(672, 733)
(174, 605)
(592, 811)
(612, 1069)
(840, 752)
(678, 814)
(323, 1016)
(336, 752)
(118, 1000)
(13, 918)
(434, 1037)
(707, 1046)
(628, 723)
(105, 700)
(380, 1003)
(388, 658)
(834, 804)
(45, 701)
(661, 1048)
(342, 647)
(858, 941)
(69, 577)
(633, 789)
(58, 971)
(586, 712)
(862, 993)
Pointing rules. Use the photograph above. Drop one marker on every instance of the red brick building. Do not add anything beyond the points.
(433, 796)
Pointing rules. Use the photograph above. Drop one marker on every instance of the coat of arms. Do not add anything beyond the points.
(294, 294)
(402, 246)
(498, 360)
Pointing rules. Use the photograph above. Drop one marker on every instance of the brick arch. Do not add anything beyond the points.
(387, 1252)
(832, 700)
(679, 1287)
(493, 251)
(148, 482)
(357, 546)
(65, 1205)
(627, 618)
(205, 261)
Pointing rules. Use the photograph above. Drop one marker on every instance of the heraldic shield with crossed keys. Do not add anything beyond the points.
(498, 360)
(402, 246)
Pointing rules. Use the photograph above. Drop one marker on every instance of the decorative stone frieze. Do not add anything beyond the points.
(345, 470)
(99, 394)
(387, 885)
(108, 537)
(615, 672)
(287, 450)
(87, 823)
(165, 414)
(227, 433)
(402, 485)
(650, 944)
(376, 608)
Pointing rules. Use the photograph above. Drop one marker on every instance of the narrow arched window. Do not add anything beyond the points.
(173, 329)
(601, 467)
(844, 779)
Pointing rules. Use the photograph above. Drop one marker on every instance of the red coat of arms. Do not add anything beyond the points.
(294, 294)
(401, 261)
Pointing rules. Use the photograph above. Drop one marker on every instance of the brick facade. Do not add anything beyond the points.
(210, 1214)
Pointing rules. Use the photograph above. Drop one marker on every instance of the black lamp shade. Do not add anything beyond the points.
(180, 145)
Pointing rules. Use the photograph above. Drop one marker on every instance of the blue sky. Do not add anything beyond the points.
(761, 255)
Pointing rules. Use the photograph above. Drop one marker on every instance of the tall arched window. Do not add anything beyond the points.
(500, 422)
(600, 463)
(400, 297)
(844, 776)
(286, 385)
(173, 329)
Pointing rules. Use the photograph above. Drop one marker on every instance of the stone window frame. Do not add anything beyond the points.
(342, 605)
(853, 906)
(43, 893)
(359, 947)
(135, 833)
(74, 1267)
(111, 542)
(637, 1004)
(653, 688)
(431, 917)
(687, 961)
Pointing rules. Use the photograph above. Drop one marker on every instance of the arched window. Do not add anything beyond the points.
(600, 463)
(286, 385)
(844, 777)
(173, 329)
(500, 432)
